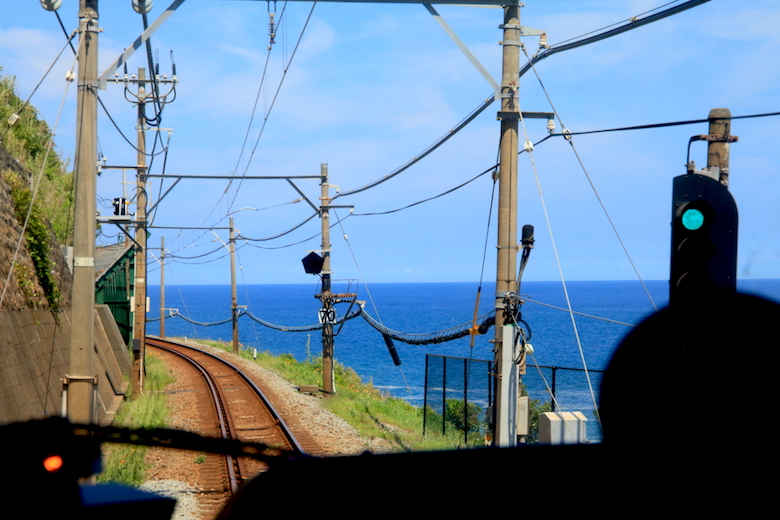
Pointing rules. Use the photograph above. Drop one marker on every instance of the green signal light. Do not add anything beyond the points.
(692, 219)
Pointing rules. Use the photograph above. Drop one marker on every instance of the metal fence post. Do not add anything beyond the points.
(425, 395)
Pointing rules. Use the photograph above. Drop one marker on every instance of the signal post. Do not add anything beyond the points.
(705, 222)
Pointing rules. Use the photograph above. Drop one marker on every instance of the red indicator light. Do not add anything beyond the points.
(52, 463)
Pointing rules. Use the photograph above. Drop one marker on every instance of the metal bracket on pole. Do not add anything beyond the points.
(315, 208)
(462, 46)
(163, 195)
(67, 380)
(123, 230)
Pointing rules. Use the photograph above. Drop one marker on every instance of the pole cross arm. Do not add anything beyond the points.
(716, 138)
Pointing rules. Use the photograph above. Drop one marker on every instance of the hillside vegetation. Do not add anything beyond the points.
(27, 142)
(28, 159)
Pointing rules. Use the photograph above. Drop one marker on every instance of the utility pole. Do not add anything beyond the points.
(80, 383)
(139, 354)
(234, 297)
(326, 296)
(718, 148)
(506, 377)
(315, 265)
(162, 286)
(140, 306)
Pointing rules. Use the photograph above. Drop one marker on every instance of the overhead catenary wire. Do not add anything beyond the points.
(273, 100)
(529, 149)
(294, 243)
(662, 125)
(628, 20)
(632, 23)
(592, 185)
(442, 194)
(370, 296)
(601, 318)
(40, 82)
(180, 260)
(465, 121)
(489, 100)
(265, 120)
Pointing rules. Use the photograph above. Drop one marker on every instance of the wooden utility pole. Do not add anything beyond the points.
(81, 382)
(139, 355)
(326, 296)
(162, 286)
(506, 269)
(233, 293)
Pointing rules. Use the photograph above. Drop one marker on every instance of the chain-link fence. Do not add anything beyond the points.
(458, 391)
(571, 390)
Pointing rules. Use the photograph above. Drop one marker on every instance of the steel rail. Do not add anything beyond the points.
(287, 432)
(226, 430)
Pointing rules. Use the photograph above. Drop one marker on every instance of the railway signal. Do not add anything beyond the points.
(705, 221)
(704, 238)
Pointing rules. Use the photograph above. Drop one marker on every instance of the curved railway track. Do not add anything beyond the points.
(230, 406)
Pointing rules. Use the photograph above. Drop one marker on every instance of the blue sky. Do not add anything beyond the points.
(371, 86)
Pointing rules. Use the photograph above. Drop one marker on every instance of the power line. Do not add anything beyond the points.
(662, 125)
(631, 23)
(273, 101)
(451, 190)
(627, 20)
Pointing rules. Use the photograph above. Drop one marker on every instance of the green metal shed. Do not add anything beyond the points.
(114, 279)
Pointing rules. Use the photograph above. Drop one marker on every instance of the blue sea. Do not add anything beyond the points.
(422, 308)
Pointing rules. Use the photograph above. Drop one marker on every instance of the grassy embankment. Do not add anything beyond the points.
(126, 463)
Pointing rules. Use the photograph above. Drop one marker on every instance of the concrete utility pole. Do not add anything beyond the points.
(506, 269)
(81, 382)
(326, 296)
(162, 286)
(139, 355)
(233, 294)
(718, 150)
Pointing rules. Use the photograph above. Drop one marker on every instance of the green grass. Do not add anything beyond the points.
(125, 463)
(362, 405)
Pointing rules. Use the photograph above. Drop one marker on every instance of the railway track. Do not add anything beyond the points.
(230, 406)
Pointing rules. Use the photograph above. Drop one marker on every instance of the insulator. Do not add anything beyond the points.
(551, 125)
(13, 119)
(272, 29)
(528, 146)
(51, 5)
(142, 6)
(567, 134)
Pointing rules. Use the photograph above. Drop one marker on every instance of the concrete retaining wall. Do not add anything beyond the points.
(34, 356)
